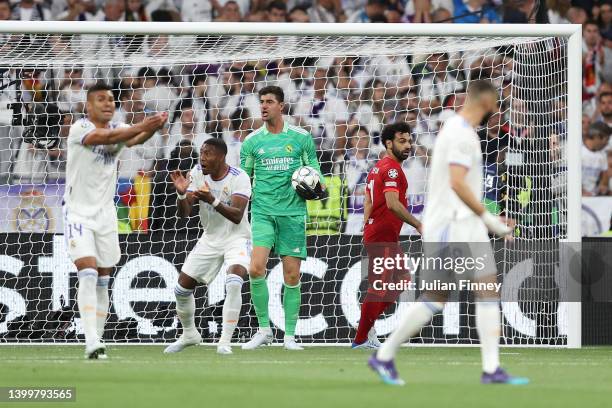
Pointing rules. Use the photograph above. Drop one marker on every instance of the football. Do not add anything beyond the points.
(306, 175)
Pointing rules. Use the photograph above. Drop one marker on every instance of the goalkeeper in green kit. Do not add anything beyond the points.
(270, 155)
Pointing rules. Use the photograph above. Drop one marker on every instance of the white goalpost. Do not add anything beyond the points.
(343, 83)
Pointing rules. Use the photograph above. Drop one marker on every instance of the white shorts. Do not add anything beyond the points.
(205, 259)
(93, 237)
(460, 240)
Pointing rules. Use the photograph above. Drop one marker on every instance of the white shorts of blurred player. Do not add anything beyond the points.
(466, 243)
(95, 236)
(205, 260)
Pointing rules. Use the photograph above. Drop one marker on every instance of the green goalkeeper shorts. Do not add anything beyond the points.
(286, 234)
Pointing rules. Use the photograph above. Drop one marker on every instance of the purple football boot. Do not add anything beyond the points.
(500, 376)
(385, 370)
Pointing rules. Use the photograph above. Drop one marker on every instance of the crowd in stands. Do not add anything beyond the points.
(344, 102)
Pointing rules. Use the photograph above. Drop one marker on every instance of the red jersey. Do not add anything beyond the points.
(383, 225)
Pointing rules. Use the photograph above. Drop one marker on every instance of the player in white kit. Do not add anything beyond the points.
(222, 193)
(455, 219)
(90, 217)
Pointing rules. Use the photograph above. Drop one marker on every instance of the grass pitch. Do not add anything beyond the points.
(142, 376)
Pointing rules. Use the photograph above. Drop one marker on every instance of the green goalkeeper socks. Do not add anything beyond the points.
(260, 297)
(292, 299)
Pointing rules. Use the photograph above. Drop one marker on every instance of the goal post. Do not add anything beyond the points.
(206, 75)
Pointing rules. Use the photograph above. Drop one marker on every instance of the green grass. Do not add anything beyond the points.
(141, 376)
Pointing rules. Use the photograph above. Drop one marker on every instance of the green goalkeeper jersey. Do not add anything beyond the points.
(271, 159)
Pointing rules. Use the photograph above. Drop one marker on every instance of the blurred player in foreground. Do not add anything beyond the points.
(454, 214)
(90, 217)
(384, 214)
(222, 193)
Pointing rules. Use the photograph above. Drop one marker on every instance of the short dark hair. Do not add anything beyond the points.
(389, 131)
(590, 22)
(599, 128)
(217, 143)
(277, 4)
(98, 86)
(277, 91)
(601, 96)
(479, 86)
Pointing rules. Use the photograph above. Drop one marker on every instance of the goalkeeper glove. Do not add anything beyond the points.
(308, 193)
(495, 224)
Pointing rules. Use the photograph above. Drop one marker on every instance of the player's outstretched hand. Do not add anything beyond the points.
(155, 122)
(180, 182)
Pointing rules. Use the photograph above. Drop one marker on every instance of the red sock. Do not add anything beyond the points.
(369, 313)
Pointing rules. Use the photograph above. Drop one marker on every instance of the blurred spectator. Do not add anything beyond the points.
(277, 11)
(164, 210)
(293, 79)
(241, 125)
(594, 160)
(162, 10)
(242, 93)
(359, 160)
(604, 108)
(198, 10)
(606, 71)
(437, 80)
(230, 12)
(187, 128)
(159, 94)
(604, 19)
(586, 122)
(352, 6)
(208, 113)
(577, 15)
(493, 140)
(134, 11)
(592, 59)
(30, 10)
(441, 15)
(76, 11)
(112, 11)
(56, 166)
(393, 15)
(5, 13)
(298, 14)
(373, 10)
(323, 114)
(557, 11)
(326, 11)
(72, 93)
(370, 111)
(474, 12)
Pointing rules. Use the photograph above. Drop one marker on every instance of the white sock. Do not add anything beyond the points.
(86, 299)
(185, 307)
(102, 304)
(288, 338)
(231, 307)
(411, 323)
(488, 324)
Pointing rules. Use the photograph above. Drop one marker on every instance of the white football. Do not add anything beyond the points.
(307, 175)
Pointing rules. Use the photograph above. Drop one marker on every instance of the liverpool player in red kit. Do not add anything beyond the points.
(385, 211)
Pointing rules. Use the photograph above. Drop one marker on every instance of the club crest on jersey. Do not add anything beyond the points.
(289, 148)
(392, 173)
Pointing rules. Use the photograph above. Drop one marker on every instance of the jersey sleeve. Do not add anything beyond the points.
(310, 155)
(389, 178)
(242, 186)
(79, 131)
(247, 161)
(460, 150)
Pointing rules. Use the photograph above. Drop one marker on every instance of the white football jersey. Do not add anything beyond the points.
(217, 228)
(91, 171)
(457, 143)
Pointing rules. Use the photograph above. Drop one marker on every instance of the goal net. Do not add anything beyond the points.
(342, 88)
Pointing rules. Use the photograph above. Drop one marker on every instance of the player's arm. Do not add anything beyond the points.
(100, 136)
(233, 212)
(458, 173)
(367, 207)
(247, 161)
(395, 206)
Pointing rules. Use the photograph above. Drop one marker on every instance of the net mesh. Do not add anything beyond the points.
(343, 90)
